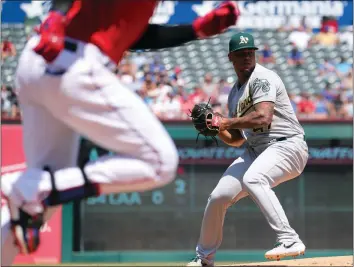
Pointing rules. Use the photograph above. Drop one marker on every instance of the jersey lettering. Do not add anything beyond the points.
(244, 105)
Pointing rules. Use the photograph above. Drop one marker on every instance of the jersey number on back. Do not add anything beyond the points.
(262, 129)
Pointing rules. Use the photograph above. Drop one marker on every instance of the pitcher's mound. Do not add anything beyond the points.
(320, 261)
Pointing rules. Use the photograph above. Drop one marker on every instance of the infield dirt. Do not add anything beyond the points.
(320, 261)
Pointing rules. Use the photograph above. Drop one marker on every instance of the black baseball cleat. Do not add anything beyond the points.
(26, 230)
(24, 226)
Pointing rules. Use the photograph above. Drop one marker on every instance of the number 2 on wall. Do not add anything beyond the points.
(180, 187)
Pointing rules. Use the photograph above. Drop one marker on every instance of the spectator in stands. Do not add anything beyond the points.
(149, 89)
(136, 84)
(266, 55)
(185, 101)
(129, 74)
(15, 109)
(323, 108)
(222, 93)
(168, 106)
(305, 25)
(346, 110)
(300, 38)
(157, 77)
(295, 57)
(346, 94)
(9, 103)
(338, 103)
(346, 37)
(328, 92)
(198, 95)
(286, 26)
(139, 59)
(343, 67)
(5, 101)
(294, 101)
(208, 85)
(176, 78)
(327, 38)
(164, 86)
(156, 64)
(8, 49)
(306, 107)
(126, 72)
(347, 81)
(329, 21)
(143, 94)
(144, 70)
(327, 67)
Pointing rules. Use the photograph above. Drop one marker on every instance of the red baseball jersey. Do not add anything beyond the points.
(112, 25)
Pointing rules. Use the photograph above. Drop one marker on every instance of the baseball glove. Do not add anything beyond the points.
(205, 121)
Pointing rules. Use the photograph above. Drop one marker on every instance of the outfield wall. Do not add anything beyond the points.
(163, 225)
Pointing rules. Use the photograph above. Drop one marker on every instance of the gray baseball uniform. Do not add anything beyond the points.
(265, 163)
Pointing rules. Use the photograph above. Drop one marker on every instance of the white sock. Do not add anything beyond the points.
(112, 173)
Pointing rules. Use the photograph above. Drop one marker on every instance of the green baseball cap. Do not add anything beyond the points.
(241, 40)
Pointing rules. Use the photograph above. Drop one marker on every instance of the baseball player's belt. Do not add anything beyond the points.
(283, 139)
(72, 46)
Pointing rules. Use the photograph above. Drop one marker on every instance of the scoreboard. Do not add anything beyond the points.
(188, 192)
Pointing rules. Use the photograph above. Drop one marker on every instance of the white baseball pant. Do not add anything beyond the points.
(87, 100)
(254, 174)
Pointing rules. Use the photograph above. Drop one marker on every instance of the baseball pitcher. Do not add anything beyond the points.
(261, 115)
(67, 88)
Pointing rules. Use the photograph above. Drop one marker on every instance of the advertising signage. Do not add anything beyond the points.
(255, 14)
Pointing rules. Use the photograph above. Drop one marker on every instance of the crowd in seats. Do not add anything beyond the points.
(9, 103)
(167, 94)
(335, 100)
(329, 35)
(171, 97)
(8, 49)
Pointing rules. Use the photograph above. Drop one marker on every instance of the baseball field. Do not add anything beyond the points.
(342, 261)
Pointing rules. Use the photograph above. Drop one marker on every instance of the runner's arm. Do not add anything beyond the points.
(165, 36)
